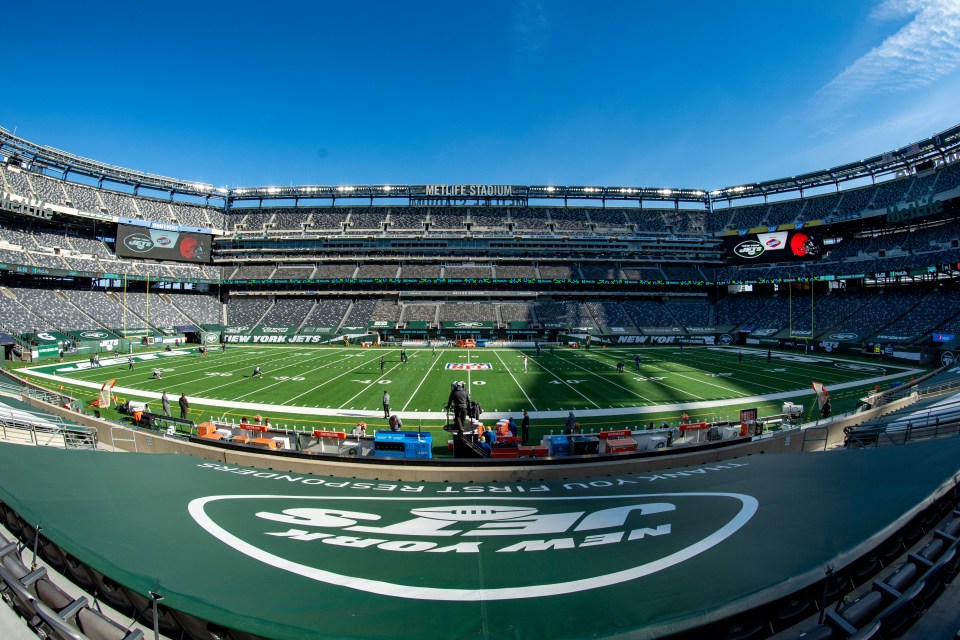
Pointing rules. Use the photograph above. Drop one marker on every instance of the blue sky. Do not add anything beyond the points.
(700, 95)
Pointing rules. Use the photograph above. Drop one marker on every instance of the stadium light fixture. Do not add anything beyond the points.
(551, 189)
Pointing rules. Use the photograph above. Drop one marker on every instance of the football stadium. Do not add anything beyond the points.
(757, 353)
(511, 321)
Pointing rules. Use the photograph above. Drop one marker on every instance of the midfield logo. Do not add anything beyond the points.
(459, 549)
(473, 366)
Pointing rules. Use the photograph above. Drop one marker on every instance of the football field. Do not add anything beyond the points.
(337, 386)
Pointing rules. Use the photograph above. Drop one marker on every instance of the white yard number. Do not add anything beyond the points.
(720, 375)
(222, 374)
(293, 378)
(566, 381)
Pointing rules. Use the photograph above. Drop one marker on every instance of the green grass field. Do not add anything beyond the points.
(334, 387)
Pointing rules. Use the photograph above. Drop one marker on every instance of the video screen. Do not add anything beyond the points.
(776, 246)
(161, 244)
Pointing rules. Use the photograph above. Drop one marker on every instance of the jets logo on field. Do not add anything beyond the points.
(430, 549)
(473, 366)
(855, 366)
(840, 337)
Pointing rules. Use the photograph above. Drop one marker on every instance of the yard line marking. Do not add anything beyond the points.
(410, 399)
(577, 391)
(600, 375)
(366, 388)
(348, 372)
(507, 369)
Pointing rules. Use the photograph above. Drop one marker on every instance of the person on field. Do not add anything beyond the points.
(570, 424)
(257, 373)
(165, 401)
(459, 403)
(395, 423)
(184, 406)
(386, 404)
(525, 428)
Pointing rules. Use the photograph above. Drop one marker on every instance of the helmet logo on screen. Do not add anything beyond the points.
(749, 249)
(376, 544)
(138, 242)
(191, 249)
(803, 246)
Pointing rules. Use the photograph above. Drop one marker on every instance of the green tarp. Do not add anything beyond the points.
(639, 554)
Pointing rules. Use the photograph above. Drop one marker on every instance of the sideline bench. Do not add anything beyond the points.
(160, 421)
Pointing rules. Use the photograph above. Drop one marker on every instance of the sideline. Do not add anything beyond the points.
(255, 407)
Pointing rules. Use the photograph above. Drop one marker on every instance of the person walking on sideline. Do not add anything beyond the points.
(184, 406)
(165, 401)
(525, 428)
(386, 405)
(571, 424)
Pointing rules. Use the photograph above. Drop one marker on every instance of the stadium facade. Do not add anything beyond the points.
(794, 259)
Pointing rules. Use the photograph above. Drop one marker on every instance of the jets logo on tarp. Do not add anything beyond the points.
(438, 548)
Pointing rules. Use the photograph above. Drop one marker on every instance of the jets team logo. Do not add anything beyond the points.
(947, 358)
(726, 339)
(749, 249)
(856, 366)
(468, 325)
(840, 337)
(46, 336)
(94, 335)
(432, 548)
(211, 337)
(138, 242)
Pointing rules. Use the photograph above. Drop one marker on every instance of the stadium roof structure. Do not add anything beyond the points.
(918, 156)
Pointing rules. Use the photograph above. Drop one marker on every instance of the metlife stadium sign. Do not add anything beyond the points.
(162, 242)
